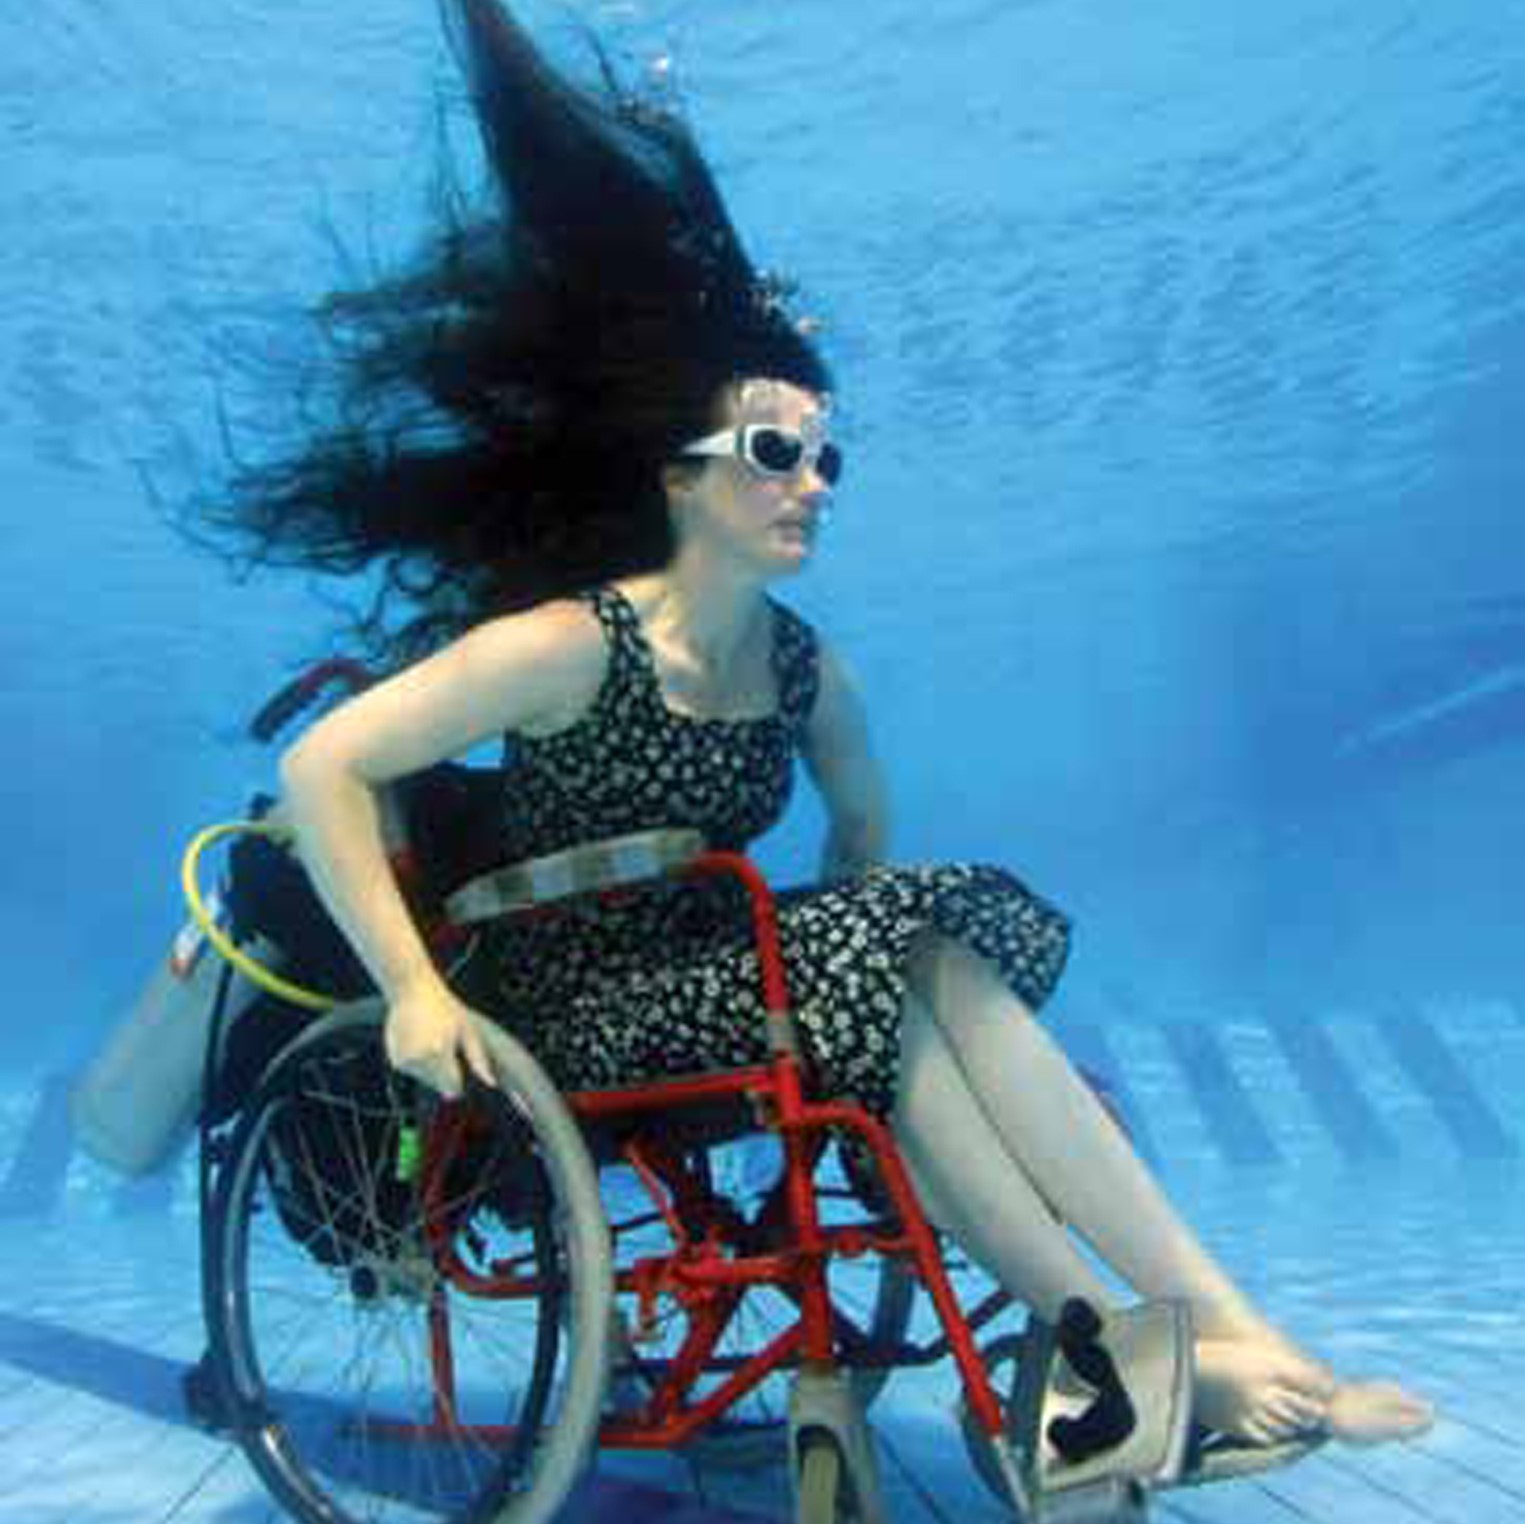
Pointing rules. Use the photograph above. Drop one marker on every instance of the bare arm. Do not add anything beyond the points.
(840, 761)
(502, 675)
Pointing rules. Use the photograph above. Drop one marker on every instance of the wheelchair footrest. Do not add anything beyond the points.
(1101, 1411)
(1213, 1457)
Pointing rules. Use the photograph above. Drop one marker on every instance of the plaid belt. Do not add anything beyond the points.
(586, 869)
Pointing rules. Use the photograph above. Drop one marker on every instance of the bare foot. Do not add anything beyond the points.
(1254, 1391)
(1266, 1390)
(1249, 1328)
(1372, 1412)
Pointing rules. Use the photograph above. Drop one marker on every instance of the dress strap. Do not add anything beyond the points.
(796, 661)
(628, 671)
(632, 652)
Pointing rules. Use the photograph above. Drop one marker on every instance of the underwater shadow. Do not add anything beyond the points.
(119, 1373)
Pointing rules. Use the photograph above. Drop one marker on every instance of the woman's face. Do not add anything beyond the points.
(765, 522)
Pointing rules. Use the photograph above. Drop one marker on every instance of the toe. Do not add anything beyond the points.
(1306, 1412)
(1253, 1431)
(1422, 1415)
(1298, 1414)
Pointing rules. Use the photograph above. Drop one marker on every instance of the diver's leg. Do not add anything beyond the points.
(1061, 1137)
(972, 1188)
(1064, 1139)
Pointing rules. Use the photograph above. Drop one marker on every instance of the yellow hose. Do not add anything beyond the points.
(255, 972)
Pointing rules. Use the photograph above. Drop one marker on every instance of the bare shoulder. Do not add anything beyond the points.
(562, 634)
(524, 671)
(566, 638)
(549, 656)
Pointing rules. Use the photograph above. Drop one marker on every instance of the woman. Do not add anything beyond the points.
(584, 439)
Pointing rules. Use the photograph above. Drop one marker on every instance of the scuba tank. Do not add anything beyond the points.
(135, 1105)
(137, 1102)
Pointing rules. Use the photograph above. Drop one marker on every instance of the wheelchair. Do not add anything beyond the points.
(431, 1309)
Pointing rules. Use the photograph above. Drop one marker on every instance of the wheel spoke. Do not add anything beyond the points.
(322, 1275)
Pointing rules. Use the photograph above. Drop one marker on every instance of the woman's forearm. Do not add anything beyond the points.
(337, 819)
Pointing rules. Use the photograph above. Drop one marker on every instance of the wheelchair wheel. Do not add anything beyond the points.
(887, 1322)
(408, 1300)
(877, 1293)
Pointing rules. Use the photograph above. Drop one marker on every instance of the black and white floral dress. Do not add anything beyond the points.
(666, 981)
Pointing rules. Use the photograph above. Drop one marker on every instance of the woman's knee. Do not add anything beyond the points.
(953, 981)
(931, 963)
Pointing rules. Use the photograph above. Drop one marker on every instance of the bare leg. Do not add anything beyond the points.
(970, 1187)
(1252, 1379)
(1052, 1124)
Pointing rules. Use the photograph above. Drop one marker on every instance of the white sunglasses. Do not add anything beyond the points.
(772, 451)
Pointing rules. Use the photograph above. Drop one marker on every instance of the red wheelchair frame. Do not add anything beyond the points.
(717, 1255)
(787, 1247)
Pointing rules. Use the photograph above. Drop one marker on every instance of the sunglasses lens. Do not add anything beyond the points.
(776, 451)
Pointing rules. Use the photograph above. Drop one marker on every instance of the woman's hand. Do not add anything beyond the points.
(427, 1030)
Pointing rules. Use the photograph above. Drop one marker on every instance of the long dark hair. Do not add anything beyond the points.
(505, 406)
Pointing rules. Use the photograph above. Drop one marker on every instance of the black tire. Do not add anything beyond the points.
(327, 1286)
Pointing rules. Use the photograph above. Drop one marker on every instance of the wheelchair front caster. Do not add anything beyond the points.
(824, 1489)
(832, 1464)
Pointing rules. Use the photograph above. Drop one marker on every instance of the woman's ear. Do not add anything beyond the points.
(680, 479)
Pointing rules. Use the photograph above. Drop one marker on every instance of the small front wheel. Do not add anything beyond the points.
(825, 1492)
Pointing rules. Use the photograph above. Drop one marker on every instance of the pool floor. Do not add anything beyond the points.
(1357, 1171)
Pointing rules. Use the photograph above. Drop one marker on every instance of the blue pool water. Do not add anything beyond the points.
(1180, 561)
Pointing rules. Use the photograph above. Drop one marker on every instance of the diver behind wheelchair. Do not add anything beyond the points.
(428, 1309)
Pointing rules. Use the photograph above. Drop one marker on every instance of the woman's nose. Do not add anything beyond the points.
(816, 486)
